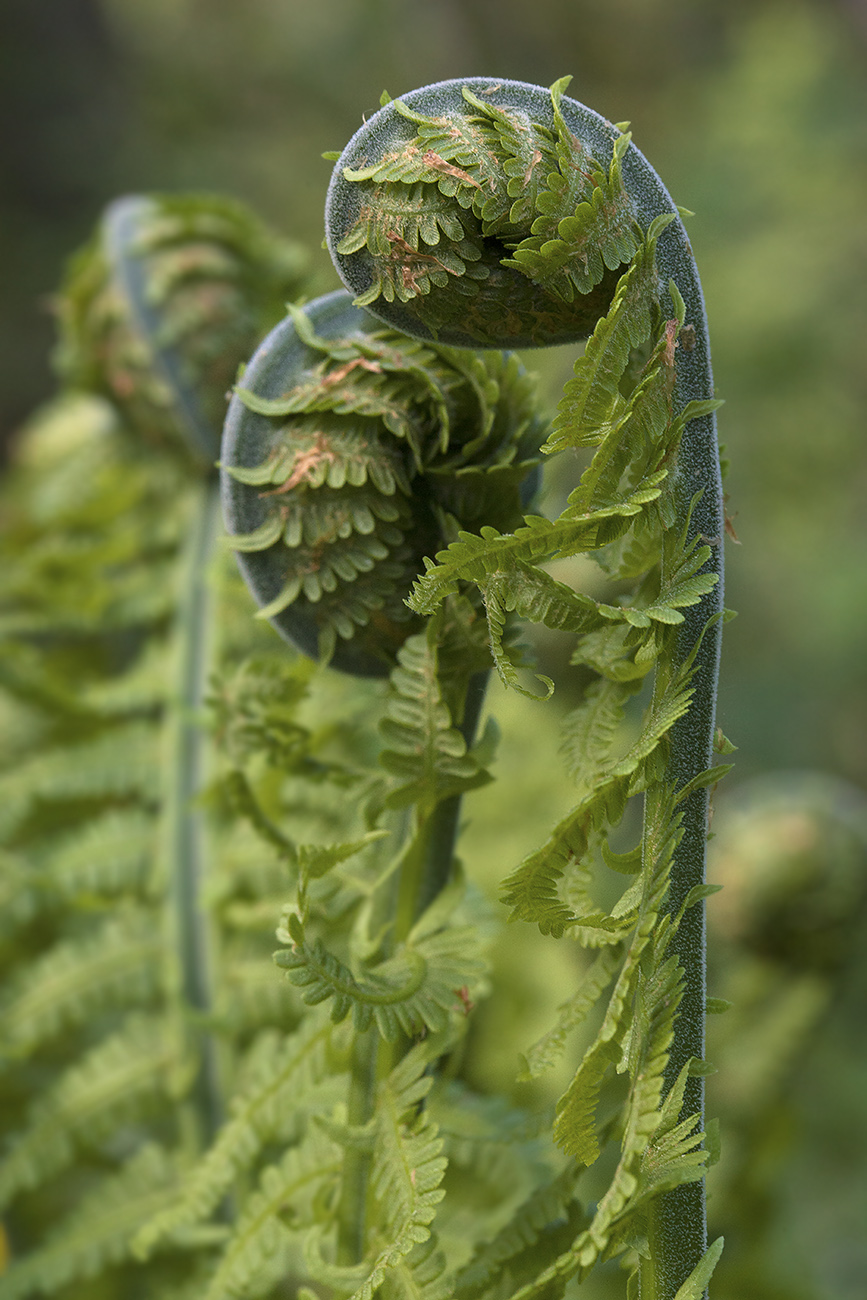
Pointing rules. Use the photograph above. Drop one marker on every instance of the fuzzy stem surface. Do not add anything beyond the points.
(677, 1218)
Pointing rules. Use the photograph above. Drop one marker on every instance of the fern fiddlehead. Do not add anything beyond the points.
(488, 213)
(158, 315)
(160, 308)
(350, 452)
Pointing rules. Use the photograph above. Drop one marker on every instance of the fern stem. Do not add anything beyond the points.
(441, 831)
(184, 833)
(425, 873)
(677, 1219)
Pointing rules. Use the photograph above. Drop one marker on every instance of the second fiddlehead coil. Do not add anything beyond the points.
(350, 453)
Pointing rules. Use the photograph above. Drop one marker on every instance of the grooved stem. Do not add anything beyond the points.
(183, 825)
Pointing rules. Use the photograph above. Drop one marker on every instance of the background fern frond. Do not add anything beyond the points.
(97, 1233)
(287, 1083)
(260, 1248)
(113, 1084)
(408, 1168)
(119, 964)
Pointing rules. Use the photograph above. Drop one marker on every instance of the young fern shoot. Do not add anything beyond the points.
(486, 213)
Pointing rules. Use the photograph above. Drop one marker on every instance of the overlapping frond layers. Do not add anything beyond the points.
(624, 491)
(114, 1083)
(487, 221)
(371, 450)
(89, 546)
(515, 1250)
(413, 991)
(119, 963)
(264, 1245)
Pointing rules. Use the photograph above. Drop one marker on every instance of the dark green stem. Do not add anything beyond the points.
(184, 830)
(677, 1229)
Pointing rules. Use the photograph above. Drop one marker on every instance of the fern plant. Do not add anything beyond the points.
(200, 1125)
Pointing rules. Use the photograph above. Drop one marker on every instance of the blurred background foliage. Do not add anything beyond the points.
(753, 112)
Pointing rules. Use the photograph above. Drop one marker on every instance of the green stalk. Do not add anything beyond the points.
(184, 831)
(425, 872)
(677, 1218)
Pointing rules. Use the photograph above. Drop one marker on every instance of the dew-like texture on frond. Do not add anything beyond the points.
(696, 1284)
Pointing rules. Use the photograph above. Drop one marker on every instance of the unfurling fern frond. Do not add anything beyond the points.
(413, 991)
(348, 452)
(163, 304)
(572, 235)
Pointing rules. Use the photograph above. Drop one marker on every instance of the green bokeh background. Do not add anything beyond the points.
(753, 112)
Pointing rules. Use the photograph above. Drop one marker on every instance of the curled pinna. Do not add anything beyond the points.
(488, 213)
(352, 452)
